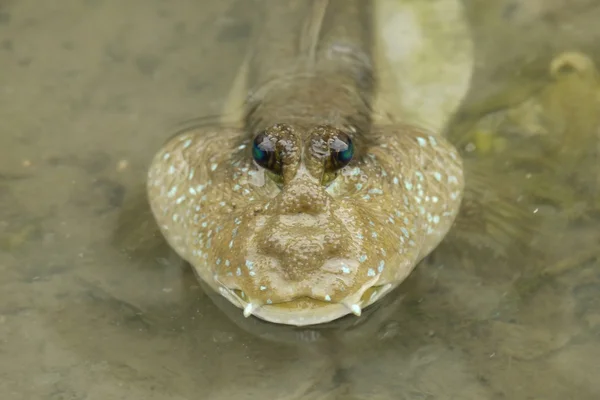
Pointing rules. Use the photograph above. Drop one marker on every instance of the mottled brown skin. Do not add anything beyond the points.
(310, 243)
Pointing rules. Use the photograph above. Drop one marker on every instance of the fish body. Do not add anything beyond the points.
(310, 211)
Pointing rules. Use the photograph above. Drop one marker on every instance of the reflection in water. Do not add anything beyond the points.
(330, 342)
(507, 308)
(345, 332)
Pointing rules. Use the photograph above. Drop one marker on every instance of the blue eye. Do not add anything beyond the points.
(264, 153)
(259, 154)
(342, 151)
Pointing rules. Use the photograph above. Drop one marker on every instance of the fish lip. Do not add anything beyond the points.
(321, 315)
(315, 316)
(327, 312)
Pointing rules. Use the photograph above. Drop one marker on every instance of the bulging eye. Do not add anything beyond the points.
(265, 154)
(342, 151)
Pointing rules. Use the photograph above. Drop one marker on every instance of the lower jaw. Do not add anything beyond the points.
(306, 311)
(301, 317)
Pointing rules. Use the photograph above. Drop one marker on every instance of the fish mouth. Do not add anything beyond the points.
(305, 311)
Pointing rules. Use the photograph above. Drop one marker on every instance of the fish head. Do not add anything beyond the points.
(303, 226)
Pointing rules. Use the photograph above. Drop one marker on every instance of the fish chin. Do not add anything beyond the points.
(319, 312)
(305, 311)
(302, 316)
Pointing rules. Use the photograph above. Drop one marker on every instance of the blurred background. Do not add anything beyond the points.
(93, 305)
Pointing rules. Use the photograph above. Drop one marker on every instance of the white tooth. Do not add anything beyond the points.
(248, 310)
(356, 309)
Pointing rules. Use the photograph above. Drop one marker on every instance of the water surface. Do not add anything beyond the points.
(93, 307)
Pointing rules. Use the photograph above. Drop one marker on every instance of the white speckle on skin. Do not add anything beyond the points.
(345, 269)
(408, 185)
(437, 176)
(422, 142)
(187, 143)
(171, 170)
(395, 180)
(213, 167)
(172, 192)
(166, 156)
(180, 199)
(381, 266)
(363, 258)
(327, 297)
(371, 272)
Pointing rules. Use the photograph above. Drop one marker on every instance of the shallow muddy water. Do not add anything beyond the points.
(94, 305)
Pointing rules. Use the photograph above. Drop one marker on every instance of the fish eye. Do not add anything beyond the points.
(265, 154)
(342, 151)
